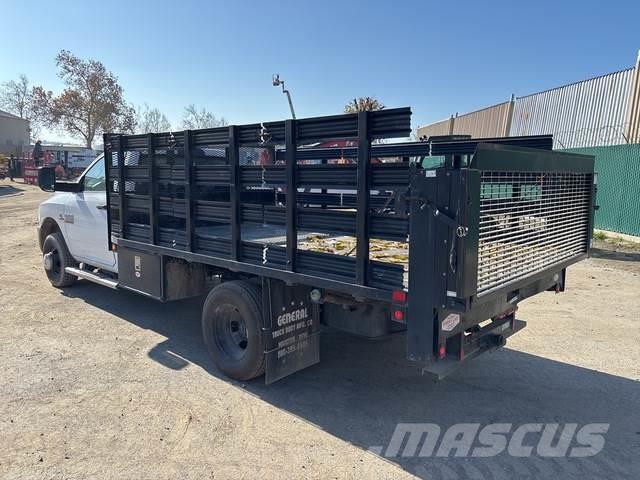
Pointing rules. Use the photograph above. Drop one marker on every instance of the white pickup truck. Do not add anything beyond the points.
(72, 229)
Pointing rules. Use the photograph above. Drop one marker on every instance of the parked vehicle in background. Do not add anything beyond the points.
(443, 243)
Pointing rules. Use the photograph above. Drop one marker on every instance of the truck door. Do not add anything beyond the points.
(86, 220)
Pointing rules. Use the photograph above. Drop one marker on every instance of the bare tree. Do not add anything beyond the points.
(194, 118)
(18, 97)
(92, 102)
(15, 96)
(363, 104)
(151, 120)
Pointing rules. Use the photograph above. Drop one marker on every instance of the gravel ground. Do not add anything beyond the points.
(103, 384)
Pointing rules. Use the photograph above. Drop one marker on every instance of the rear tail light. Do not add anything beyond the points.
(399, 296)
(399, 306)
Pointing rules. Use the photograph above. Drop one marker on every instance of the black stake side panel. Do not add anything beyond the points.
(389, 123)
(418, 149)
(383, 175)
(389, 175)
(182, 171)
(384, 124)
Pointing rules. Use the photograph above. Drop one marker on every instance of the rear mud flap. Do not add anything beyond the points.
(292, 329)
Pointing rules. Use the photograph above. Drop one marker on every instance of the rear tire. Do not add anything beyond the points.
(56, 258)
(232, 329)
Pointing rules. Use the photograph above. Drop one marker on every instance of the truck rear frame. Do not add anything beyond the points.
(487, 224)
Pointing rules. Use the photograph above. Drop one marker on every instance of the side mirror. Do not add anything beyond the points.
(47, 179)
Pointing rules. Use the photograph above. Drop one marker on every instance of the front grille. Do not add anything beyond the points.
(530, 221)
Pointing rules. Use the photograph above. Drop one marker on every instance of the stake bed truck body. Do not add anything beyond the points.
(284, 229)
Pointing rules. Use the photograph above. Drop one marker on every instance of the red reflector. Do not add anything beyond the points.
(398, 315)
(443, 351)
(399, 296)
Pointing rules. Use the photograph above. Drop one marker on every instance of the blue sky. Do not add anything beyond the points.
(438, 57)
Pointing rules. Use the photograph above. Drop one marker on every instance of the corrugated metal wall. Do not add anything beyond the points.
(489, 122)
(443, 127)
(633, 128)
(600, 111)
(584, 114)
(618, 195)
(493, 121)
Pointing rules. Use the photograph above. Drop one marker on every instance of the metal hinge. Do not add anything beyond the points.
(461, 231)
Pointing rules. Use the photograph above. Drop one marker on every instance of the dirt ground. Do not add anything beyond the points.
(103, 384)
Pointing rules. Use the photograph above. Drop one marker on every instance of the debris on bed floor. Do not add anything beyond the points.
(380, 250)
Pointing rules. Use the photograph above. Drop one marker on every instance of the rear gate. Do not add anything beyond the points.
(515, 219)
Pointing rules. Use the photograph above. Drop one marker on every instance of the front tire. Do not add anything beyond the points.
(232, 329)
(56, 257)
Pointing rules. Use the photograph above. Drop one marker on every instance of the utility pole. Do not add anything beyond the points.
(277, 82)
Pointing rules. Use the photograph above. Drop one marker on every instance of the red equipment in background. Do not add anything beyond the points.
(29, 168)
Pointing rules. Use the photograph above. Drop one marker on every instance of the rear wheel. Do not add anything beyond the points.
(55, 258)
(232, 329)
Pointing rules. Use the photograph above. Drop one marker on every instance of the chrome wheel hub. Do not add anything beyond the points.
(48, 261)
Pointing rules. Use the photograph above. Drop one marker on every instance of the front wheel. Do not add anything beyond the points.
(232, 329)
(55, 258)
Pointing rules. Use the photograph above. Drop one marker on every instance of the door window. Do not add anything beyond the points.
(94, 179)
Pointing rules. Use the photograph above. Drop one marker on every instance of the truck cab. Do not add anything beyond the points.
(72, 223)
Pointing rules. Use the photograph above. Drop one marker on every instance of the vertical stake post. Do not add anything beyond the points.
(233, 158)
(364, 183)
(291, 212)
(153, 220)
(188, 192)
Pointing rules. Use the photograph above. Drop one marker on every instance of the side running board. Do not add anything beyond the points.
(92, 277)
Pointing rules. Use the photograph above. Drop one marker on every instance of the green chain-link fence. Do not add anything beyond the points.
(618, 170)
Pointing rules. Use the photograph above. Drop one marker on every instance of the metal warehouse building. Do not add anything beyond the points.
(14, 134)
(600, 111)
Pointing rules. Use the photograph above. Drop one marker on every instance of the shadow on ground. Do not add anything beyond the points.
(362, 389)
(622, 256)
(6, 190)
